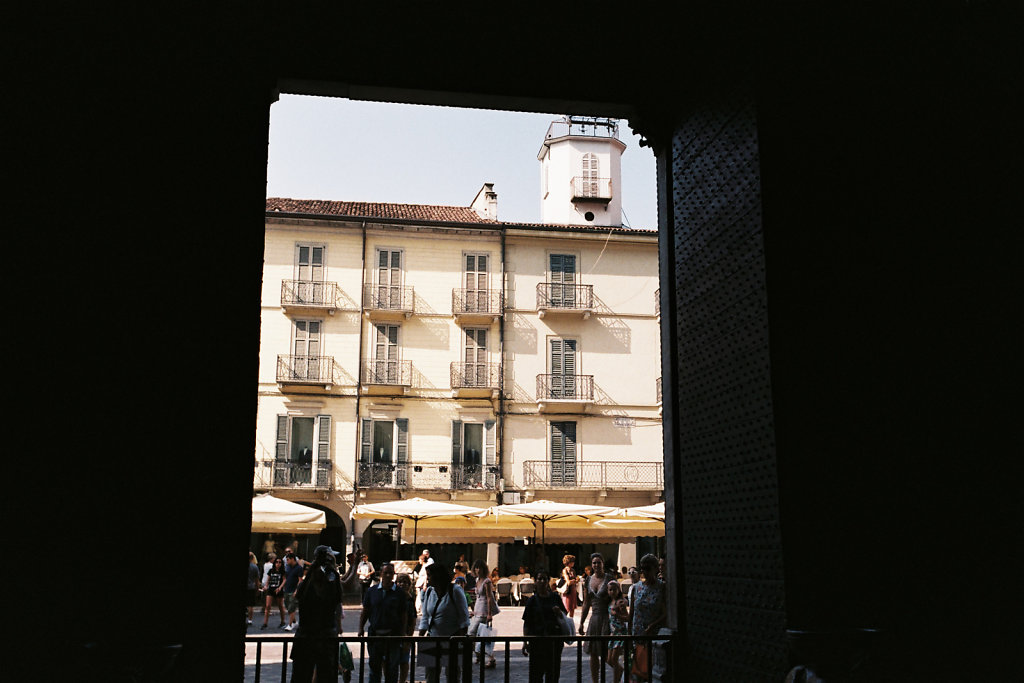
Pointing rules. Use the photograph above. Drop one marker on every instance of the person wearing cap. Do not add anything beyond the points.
(315, 648)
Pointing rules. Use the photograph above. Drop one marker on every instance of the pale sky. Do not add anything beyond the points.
(331, 148)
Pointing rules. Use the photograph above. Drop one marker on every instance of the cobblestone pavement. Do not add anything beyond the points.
(508, 623)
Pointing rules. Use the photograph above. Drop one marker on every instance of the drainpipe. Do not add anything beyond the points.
(500, 437)
(359, 380)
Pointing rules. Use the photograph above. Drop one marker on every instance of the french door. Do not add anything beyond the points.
(475, 356)
(477, 295)
(562, 361)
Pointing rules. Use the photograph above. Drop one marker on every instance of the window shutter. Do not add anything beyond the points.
(489, 448)
(456, 442)
(556, 267)
(323, 446)
(569, 456)
(366, 445)
(557, 462)
(323, 450)
(282, 438)
(568, 268)
(403, 451)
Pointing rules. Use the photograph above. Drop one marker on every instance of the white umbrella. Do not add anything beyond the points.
(414, 509)
(656, 511)
(545, 511)
(272, 515)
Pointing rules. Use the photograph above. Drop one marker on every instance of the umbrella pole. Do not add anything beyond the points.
(415, 532)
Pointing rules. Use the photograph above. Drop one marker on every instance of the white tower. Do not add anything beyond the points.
(581, 172)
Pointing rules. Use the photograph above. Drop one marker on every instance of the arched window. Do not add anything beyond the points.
(590, 175)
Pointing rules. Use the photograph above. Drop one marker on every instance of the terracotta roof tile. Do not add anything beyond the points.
(421, 212)
(417, 212)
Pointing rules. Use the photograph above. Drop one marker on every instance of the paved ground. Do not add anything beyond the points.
(508, 623)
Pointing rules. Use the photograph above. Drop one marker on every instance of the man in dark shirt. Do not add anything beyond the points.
(385, 609)
(292, 574)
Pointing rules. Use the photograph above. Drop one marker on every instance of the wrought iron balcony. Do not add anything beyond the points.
(591, 189)
(565, 387)
(657, 389)
(593, 475)
(309, 294)
(279, 474)
(317, 370)
(396, 373)
(477, 303)
(388, 299)
(557, 296)
(426, 476)
(475, 375)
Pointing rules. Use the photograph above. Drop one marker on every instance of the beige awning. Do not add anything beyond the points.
(420, 511)
(276, 515)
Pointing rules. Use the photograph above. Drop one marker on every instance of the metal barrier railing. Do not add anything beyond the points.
(457, 656)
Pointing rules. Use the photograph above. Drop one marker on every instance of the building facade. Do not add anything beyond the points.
(434, 351)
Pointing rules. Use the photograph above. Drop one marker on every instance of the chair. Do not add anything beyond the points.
(625, 584)
(504, 587)
(525, 589)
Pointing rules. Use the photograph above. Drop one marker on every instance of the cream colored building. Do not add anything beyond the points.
(433, 351)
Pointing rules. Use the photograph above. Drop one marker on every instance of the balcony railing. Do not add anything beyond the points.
(657, 302)
(591, 189)
(593, 475)
(305, 369)
(477, 301)
(475, 375)
(657, 389)
(309, 293)
(566, 296)
(426, 476)
(290, 474)
(565, 387)
(388, 298)
(390, 372)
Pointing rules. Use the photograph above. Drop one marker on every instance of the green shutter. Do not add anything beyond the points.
(323, 450)
(323, 446)
(403, 439)
(456, 442)
(282, 438)
(490, 441)
(403, 451)
(366, 445)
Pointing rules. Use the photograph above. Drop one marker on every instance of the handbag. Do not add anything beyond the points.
(345, 657)
(485, 631)
(641, 662)
(562, 586)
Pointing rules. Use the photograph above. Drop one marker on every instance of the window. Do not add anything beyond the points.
(473, 454)
(384, 452)
(303, 453)
(590, 175)
(474, 374)
(563, 454)
(563, 279)
(309, 274)
(389, 279)
(562, 362)
(385, 366)
(306, 350)
(477, 294)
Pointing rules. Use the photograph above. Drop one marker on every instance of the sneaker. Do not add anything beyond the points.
(248, 621)
(262, 628)
(289, 627)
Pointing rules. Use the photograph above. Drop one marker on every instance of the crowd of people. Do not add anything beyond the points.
(438, 602)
